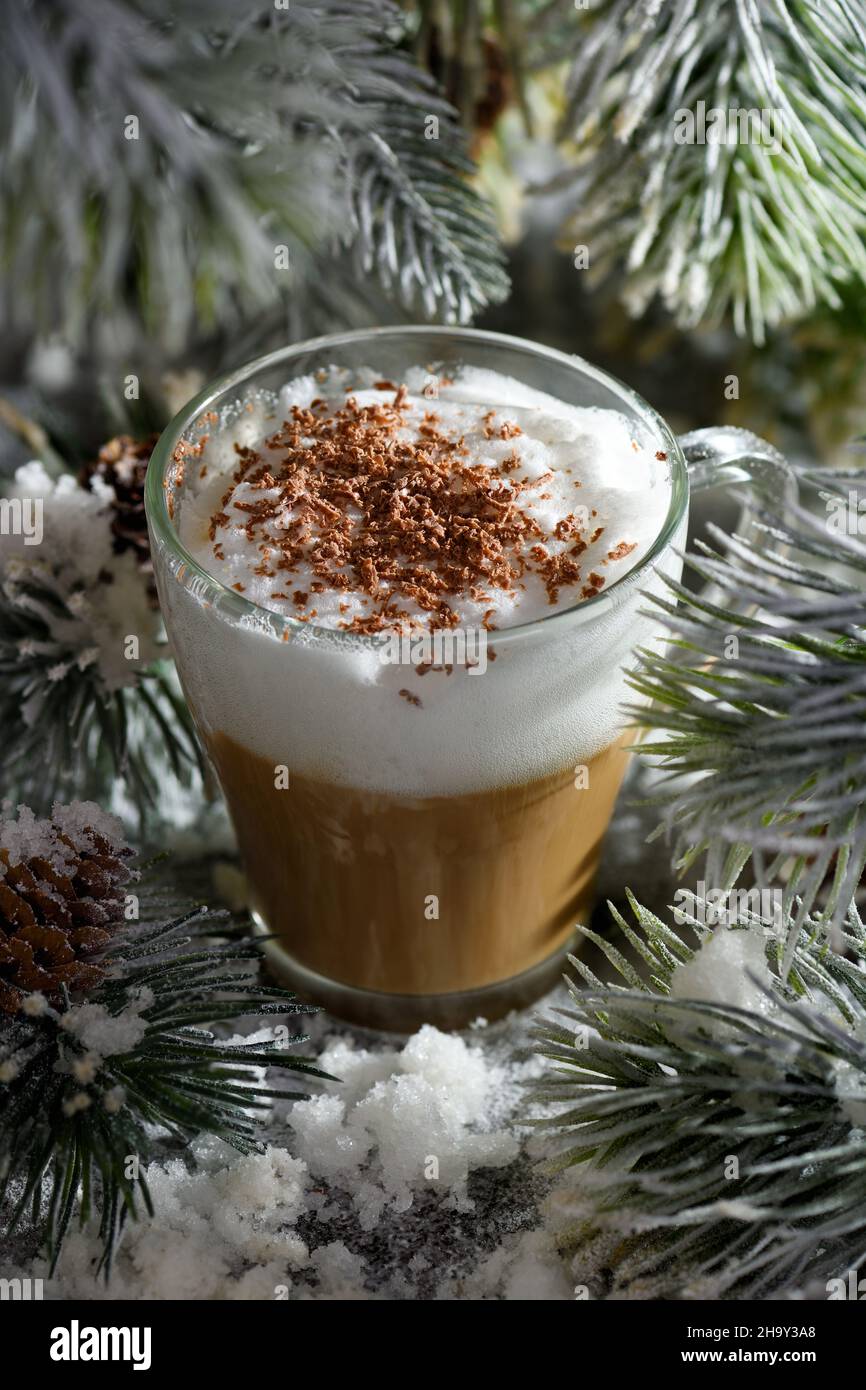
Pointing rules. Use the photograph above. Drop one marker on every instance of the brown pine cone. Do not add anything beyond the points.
(122, 464)
(57, 909)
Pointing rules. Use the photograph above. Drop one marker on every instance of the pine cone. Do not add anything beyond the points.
(122, 464)
(57, 908)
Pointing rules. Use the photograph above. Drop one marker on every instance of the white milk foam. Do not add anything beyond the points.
(597, 465)
(326, 705)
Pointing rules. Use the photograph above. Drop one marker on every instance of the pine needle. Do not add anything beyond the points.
(718, 1146)
(72, 1145)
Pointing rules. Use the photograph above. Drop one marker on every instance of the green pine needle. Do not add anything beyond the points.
(71, 737)
(761, 701)
(650, 1097)
(76, 1134)
(188, 165)
(713, 228)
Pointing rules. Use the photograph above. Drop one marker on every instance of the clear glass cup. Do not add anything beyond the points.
(420, 859)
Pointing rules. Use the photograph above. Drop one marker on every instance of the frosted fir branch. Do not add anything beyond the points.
(239, 168)
(416, 222)
(85, 1087)
(80, 709)
(761, 702)
(414, 219)
(713, 228)
(657, 1084)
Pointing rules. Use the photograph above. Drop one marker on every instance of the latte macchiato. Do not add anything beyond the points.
(419, 743)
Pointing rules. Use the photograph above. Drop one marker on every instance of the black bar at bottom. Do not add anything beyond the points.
(266, 1340)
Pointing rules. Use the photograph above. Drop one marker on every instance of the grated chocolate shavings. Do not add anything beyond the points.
(620, 551)
(398, 520)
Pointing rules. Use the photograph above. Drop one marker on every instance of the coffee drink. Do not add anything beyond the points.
(418, 732)
(419, 895)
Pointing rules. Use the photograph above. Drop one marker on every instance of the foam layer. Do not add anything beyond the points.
(326, 704)
(590, 497)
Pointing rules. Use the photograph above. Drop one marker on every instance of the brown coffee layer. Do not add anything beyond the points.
(414, 895)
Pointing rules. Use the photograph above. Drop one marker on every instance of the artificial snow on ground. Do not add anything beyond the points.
(408, 1178)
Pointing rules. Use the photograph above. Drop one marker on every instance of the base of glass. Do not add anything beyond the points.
(405, 1013)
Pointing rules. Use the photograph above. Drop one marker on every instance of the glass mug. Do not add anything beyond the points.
(424, 859)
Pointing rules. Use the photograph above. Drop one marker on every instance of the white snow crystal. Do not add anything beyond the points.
(341, 1273)
(422, 1113)
(526, 1268)
(403, 1122)
(231, 1212)
(76, 552)
(719, 972)
(26, 836)
(851, 1091)
(105, 1034)
(80, 817)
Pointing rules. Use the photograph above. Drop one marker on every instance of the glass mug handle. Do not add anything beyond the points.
(725, 454)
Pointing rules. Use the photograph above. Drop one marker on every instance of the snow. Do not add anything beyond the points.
(526, 1268)
(224, 1230)
(850, 1082)
(103, 1034)
(34, 1005)
(411, 1111)
(340, 1274)
(729, 968)
(77, 820)
(94, 618)
(25, 836)
(344, 1172)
